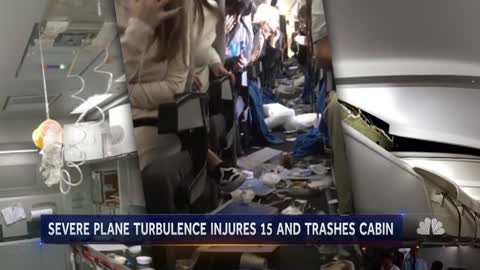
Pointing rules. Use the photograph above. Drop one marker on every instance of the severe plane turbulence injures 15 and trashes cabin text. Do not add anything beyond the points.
(220, 228)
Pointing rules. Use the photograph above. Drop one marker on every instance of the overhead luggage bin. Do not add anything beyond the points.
(392, 60)
(463, 170)
(459, 178)
(459, 199)
(383, 184)
(375, 38)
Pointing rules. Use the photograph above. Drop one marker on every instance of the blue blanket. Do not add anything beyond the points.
(313, 141)
(258, 119)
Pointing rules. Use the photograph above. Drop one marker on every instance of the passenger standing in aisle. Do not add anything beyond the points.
(387, 262)
(155, 46)
(156, 54)
(206, 57)
(332, 115)
(239, 34)
(158, 60)
(413, 262)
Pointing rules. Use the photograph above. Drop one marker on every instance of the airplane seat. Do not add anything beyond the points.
(222, 129)
(188, 118)
(381, 183)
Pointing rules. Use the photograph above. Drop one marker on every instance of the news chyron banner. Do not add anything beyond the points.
(221, 229)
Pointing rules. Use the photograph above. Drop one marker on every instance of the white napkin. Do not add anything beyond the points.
(13, 214)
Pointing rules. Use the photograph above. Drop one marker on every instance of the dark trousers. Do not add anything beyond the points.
(161, 179)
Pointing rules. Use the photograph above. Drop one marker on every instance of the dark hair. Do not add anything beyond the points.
(302, 12)
(388, 255)
(437, 265)
(238, 7)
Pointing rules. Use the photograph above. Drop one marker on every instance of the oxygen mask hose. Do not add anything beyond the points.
(48, 137)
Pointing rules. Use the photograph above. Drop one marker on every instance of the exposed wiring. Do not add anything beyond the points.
(67, 180)
(66, 177)
(109, 74)
(82, 88)
(110, 79)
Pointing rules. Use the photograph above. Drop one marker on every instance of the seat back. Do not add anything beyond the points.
(185, 112)
(187, 117)
(223, 124)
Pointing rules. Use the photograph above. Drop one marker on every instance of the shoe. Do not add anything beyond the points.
(230, 179)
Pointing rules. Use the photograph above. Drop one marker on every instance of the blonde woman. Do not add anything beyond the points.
(156, 51)
(155, 42)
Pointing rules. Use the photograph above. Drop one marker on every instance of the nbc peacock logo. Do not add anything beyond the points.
(430, 227)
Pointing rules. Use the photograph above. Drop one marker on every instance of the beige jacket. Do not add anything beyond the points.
(150, 83)
(203, 42)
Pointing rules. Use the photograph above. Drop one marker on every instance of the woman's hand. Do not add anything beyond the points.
(240, 63)
(151, 12)
(230, 23)
(274, 37)
(197, 84)
(219, 70)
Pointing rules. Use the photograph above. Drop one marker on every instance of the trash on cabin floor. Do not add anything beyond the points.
(254, 161)
(300, 189)
(243, 195)
(248, 174)
(287, 160)
(319, 169)
(259, 187)
(321, 184)
(291, 120)
(270, 179)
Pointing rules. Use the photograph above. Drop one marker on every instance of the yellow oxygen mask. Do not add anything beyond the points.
(48, 132)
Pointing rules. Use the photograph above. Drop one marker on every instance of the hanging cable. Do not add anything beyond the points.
(109, 74)
(44, 77)
(82, 88)
(65, 177)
